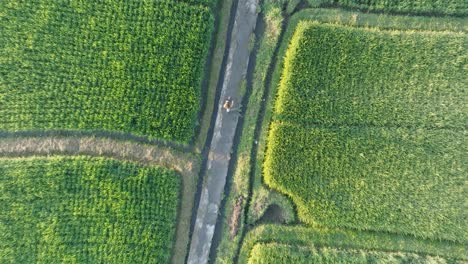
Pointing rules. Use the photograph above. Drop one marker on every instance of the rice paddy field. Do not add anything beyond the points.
(119, 66)
(373, 178)
(369, 130)
(86, 210)
(371, 77)
(368, 138)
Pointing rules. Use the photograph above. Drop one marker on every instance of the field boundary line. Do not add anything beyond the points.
(393, 12)
(102, 134)
(313, 125)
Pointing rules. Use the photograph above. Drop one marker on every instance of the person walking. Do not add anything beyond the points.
(228, 104)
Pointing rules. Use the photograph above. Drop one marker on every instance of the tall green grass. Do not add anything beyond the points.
(86, 210)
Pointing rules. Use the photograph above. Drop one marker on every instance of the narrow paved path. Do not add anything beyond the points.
(223, 133)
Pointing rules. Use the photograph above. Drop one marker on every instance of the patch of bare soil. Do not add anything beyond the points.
(235, 217)
(148, 154)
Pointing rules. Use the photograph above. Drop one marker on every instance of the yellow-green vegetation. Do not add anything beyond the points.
(429, 7)
(121, 66)
(272, 253)
(397, 180)
(344, 76)
(337, 241)
(86, 210)
(368, 131)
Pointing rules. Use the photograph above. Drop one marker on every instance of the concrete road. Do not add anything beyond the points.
(223, 133)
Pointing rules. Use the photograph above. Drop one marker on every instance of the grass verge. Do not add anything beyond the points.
(348, 239)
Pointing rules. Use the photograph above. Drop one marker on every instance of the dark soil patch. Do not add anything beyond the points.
(273, 215)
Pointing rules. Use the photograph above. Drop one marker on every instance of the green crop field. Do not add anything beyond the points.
(369, 130)
(444, 7)
(375, 78)
(120, 66)
(397, 180)
(280, 253)
(86, 210)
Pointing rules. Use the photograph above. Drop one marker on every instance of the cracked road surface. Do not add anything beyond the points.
(223, 133)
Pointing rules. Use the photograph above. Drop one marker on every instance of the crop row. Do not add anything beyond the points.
(337, 75)
(203, 2)
(430, 7)
(315, 237)
(125, 66)
(282, 253)
(86, 210)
